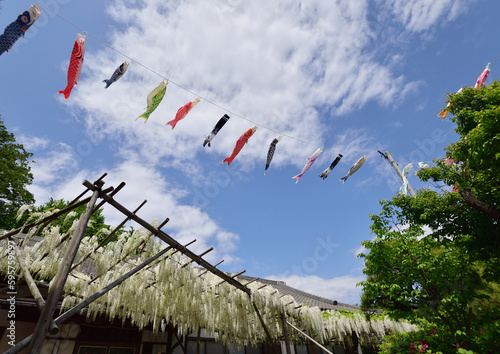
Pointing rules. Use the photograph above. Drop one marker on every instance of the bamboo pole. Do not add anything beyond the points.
(55, 292)
(309, 337)
(75, 309)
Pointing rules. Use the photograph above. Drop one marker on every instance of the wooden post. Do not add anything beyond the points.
(180, 341)
(355, 341)
(398, 171)
(285, 333)
(269, 338)
(309, 337)
(198, 341)
(75, 309)
(43, 324)
(169, 340)
(40, 302)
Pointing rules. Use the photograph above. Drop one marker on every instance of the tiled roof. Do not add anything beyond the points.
(303, 297)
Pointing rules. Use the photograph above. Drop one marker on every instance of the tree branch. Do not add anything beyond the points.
(479, 205)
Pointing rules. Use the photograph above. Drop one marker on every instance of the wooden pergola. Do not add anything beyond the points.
(47, 307)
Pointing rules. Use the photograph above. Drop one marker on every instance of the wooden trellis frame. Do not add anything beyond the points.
(47, 307)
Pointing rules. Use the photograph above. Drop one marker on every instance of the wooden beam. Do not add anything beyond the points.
(198, 341)
(179, 341)
(96, 208)
(251, 281)
(285, 332)
(37, 296)
(77, 308)
(170, 241)
(309, 337)
(169, 340)
(200, 255)
(233, 277)
(86, 190)
(43, 324)
(117, 262)
(269, 338)
(108, 237)
(206, 270)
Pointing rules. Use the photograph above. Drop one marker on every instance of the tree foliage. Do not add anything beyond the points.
(435, 256)
(15, 176)
(472, 164)
(96, 226)
(472, 167)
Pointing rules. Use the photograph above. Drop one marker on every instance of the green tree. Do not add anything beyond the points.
(472, 164)
(417, 276)
(15, 176)
(436, 256)
(96, 226)
(472, 167)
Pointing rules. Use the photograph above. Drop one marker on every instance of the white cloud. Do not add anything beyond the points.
(342, 289)
(52, 166)
(420, 15)
(269, 63)
(143, 182)
(32, 143)
(290, 67)
(186, 223)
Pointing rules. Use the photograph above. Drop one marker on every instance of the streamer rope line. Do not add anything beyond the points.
(413, 132)
(170, 80)
(210, 101)
(430, 142)
(391, 170)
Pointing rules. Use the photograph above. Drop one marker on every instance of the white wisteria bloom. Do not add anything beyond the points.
(173, 291)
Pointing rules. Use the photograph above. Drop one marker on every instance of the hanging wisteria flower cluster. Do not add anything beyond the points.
(170, 291)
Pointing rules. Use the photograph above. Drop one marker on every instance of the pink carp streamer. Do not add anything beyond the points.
(309, 163)
(482, 78)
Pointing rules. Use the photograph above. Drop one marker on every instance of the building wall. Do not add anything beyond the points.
(110, 338)
(62, 342)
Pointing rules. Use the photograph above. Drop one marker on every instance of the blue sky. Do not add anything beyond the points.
(351, 77)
